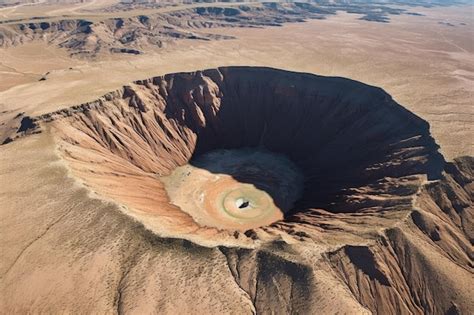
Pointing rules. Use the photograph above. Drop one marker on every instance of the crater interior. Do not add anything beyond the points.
(238, 148)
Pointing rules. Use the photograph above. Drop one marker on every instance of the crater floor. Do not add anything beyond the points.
(237, 189)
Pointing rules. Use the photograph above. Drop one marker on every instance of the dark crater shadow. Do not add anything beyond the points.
(341, 133)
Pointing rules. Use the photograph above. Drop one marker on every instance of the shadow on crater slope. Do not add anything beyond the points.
(340, 133)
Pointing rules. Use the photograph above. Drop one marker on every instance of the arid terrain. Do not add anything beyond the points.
(161, 157)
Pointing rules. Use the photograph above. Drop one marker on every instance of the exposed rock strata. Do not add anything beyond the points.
(384, 223)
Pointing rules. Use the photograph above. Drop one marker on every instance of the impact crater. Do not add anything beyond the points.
(234, 149)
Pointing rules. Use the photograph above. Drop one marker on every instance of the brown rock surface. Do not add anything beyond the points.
(384, 224)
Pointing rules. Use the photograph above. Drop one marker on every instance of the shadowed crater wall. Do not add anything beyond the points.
(340, 133)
